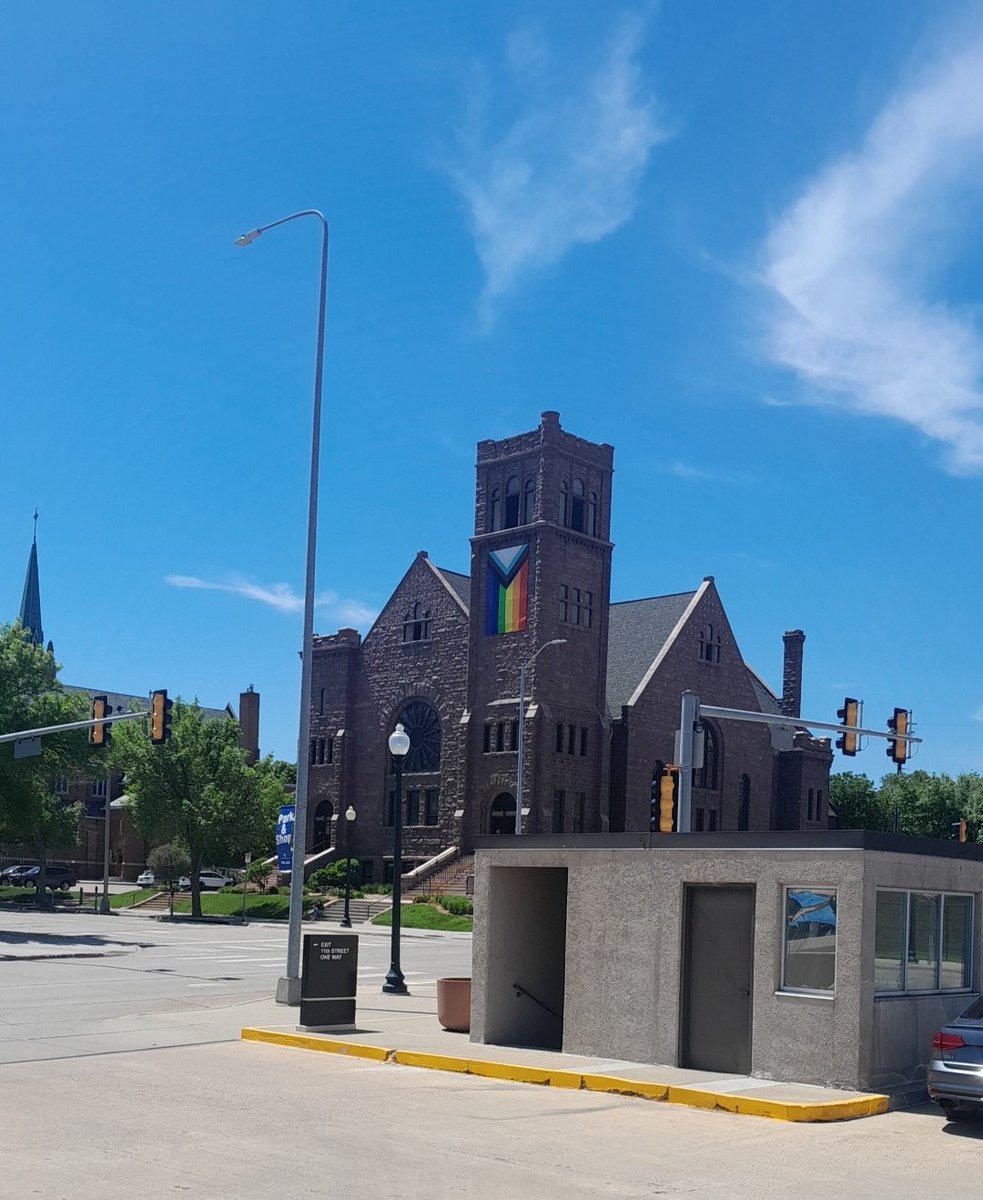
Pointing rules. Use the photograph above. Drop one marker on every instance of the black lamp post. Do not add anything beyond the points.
(346, 920)
(399, 746)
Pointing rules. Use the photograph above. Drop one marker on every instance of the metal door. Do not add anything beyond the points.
(715, 1001)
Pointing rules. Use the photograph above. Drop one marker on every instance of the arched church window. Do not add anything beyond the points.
(744, 802)
(495, 510)
(577, 506)
(512, 503)
(422, 724)
(593, 527)
(416, 624)
(563, 512)
(528, 501)
(708, 775)
(502, 816)
(709, 644)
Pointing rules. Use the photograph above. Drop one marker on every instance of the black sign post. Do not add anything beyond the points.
(328, 981)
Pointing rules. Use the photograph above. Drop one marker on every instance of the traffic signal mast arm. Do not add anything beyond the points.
(26, 733)
(737, 714)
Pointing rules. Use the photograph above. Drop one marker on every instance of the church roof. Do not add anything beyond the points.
(126, 701)
(638, 631)
(459, 584)
(30, 605)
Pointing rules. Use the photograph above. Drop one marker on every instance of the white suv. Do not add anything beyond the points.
(207, 881)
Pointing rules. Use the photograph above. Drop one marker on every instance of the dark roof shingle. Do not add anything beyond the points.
(638, 630)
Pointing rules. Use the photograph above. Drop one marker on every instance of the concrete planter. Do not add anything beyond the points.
(454, 1004)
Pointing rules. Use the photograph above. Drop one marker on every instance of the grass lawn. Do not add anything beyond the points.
(425, 916)
(229, 904)
(12, 893)
(126, 899)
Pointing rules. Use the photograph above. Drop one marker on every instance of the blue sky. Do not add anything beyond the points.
(739, 242)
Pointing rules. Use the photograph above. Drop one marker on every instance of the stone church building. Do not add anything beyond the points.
(444, 657)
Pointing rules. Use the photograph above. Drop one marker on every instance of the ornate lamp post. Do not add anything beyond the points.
(346, 920)
(399, 747)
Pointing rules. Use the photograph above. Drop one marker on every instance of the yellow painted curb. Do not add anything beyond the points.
(303, 1041)
(752, 1106)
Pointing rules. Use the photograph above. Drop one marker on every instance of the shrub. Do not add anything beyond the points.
(377, 889)
(273, 890)
(423, 899)
(459, 906)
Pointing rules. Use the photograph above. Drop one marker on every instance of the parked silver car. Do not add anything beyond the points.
(955, 1070)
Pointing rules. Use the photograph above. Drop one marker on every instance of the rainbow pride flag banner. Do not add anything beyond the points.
(507, 589)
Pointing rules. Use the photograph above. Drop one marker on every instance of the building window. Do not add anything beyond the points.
(578, 815)
(698, 820)
(587, 610)
(512, 503)
(809, 953)
(583, 742)
(320, 707)
(593, 526)
(500, 736)
(707, 775)
(564, 602)
(563, 512)
(923, 942)
(320, 752)
(577, 506)
(431, 807)
(812, 805)
(416, 624)
(313, 751)
(486, 744)
(819, 804)
(709, 645)
(495, 510)
(559, 803)
(528, 501)
(712, 822)
(559, 738)
(515, 735)
(329, 755)
(423, 726)
(413, 806)
(744, 803)
(60, 785)
(99, 789)
(575, 607)
(571, 739)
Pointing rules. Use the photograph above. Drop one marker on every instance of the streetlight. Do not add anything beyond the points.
(399, 747)
(346, 920)
(522, 729)
(288, 987)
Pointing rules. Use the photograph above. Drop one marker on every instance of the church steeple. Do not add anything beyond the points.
(30, 605)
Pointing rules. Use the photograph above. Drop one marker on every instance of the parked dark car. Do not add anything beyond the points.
(955, 1069)
(54, 877)
(14, 876)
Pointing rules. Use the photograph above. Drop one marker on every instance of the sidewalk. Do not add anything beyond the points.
(403, 1030)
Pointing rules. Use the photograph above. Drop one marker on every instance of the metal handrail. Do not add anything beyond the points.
(520, 991)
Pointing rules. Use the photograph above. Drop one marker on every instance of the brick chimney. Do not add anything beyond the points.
(792, 673)
(249, 723)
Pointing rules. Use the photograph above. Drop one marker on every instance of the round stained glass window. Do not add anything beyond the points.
(423, 726)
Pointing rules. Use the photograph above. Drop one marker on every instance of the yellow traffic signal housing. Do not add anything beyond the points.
(99, 735)
(160, 717)
(849, 714)
(667, 797)
(897, 748)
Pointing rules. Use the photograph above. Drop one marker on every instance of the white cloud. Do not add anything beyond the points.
(280, 596)
(683, 470)
(852, 265)
(566, 170)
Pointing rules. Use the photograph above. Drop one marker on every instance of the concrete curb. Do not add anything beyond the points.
(753, 1106)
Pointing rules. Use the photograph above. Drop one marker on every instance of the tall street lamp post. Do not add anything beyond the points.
(520, 761)
(288, 987)
(399, 747)
(346, 920)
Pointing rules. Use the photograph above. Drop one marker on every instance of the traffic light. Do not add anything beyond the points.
(959, 829)
(897, 749)
(99, 735)
(160, 717)
(667, 789)
(849, 714)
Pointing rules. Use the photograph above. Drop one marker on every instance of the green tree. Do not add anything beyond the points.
(926, 804)
(197, 788)
(858, 803)
(31, 814)
(169, 863)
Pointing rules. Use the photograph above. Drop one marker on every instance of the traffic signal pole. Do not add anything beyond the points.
(46, 729)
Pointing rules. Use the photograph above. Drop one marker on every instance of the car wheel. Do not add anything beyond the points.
(65, 885)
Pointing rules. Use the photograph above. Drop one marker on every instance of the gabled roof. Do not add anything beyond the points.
(460, 585)
(126, 702)
(638, 632)
(767, 700)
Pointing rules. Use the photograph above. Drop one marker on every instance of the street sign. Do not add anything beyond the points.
(27, 747)
(329, 979)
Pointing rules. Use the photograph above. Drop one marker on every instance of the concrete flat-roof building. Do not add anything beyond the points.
(827, 959)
